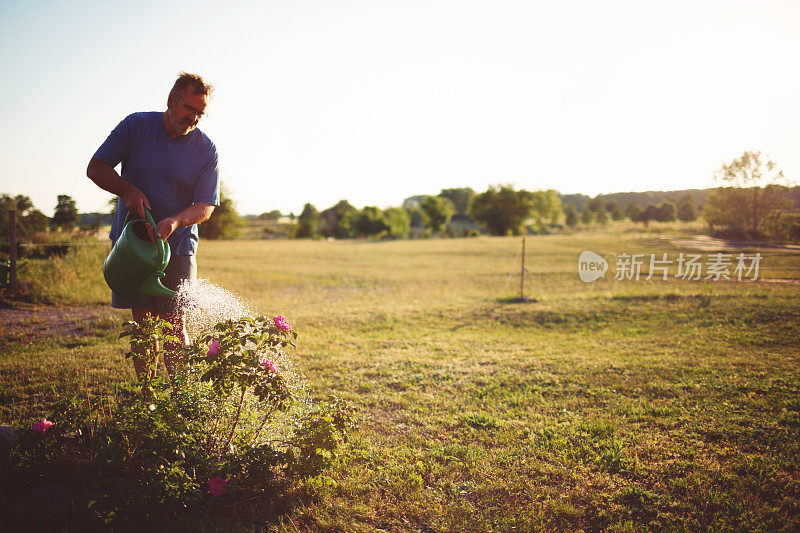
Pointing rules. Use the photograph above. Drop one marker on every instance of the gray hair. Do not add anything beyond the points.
(194, 81)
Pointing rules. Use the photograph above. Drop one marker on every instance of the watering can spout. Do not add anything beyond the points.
(152, 287)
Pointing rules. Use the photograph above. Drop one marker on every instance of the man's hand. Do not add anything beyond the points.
(194, 214)
(166, 227)
(136, 202)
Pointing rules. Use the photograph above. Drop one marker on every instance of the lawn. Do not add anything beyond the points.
(620, 405)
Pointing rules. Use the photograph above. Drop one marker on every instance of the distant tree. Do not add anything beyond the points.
(332, 220)
(648, 214)
(369, 222)
(307, 223)
(413, 201)
(754, 190)
(397, 221)
(436, 212)
(224, 223)
(610, 206)
(502, 209)
(460, 199)
(634, 212)
(270, 215)
(6, 204)
(782, 226)
(66, 214)
(415, 217)
(617, 214)
(28, 220)
(35, 222)
(666, 212)
(601, 216)
(587, 217)
(686, 209)
(23, 204)
(546, 206)
(595, 204)
(570, 216)
(575, 200)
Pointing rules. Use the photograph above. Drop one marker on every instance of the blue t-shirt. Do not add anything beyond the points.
(172, 173)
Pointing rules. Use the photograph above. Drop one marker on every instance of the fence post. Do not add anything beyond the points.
(522, 273)
(12, 250)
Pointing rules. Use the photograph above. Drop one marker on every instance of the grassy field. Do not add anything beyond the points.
(614, 405)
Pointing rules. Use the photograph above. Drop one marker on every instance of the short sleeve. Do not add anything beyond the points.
(206, 188)
(116, 147)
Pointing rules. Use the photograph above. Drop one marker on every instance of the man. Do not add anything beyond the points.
(169, 167)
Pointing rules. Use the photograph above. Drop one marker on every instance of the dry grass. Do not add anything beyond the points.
(615, 405)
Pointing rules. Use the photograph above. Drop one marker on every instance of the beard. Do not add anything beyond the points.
(183, 126)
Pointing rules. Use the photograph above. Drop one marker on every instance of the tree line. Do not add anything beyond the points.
(600, 210)
(753, 200)
(30, 221)
(500, 210)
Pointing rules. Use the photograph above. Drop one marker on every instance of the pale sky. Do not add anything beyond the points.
(373, 101)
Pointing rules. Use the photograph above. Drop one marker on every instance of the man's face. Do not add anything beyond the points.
(185, 109)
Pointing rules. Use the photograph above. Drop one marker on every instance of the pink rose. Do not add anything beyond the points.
(280, 323)
(42, 425)
(213, 348)
(217, 485)
(269, 365)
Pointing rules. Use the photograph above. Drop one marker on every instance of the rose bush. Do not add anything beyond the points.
(235, 420)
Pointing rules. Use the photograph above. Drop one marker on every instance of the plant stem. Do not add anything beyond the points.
(236, 421)
(89, 405)
(266, 417)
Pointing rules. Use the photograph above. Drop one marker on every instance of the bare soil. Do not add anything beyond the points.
(47, 320)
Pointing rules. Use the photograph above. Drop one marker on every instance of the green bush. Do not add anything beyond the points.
(215, 428)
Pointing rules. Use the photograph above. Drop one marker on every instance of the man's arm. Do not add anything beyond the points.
(107, 179)
(194, 214)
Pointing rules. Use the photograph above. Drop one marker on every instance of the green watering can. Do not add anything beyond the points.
(135, 266)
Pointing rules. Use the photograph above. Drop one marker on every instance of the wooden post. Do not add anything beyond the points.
(522, 273)
(12, 250)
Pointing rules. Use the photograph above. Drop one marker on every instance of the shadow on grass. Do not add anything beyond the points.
(71, 496)
(518, 300)
(649, 311)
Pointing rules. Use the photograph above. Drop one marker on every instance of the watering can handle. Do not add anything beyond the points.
(161, 244)
(149, 219)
